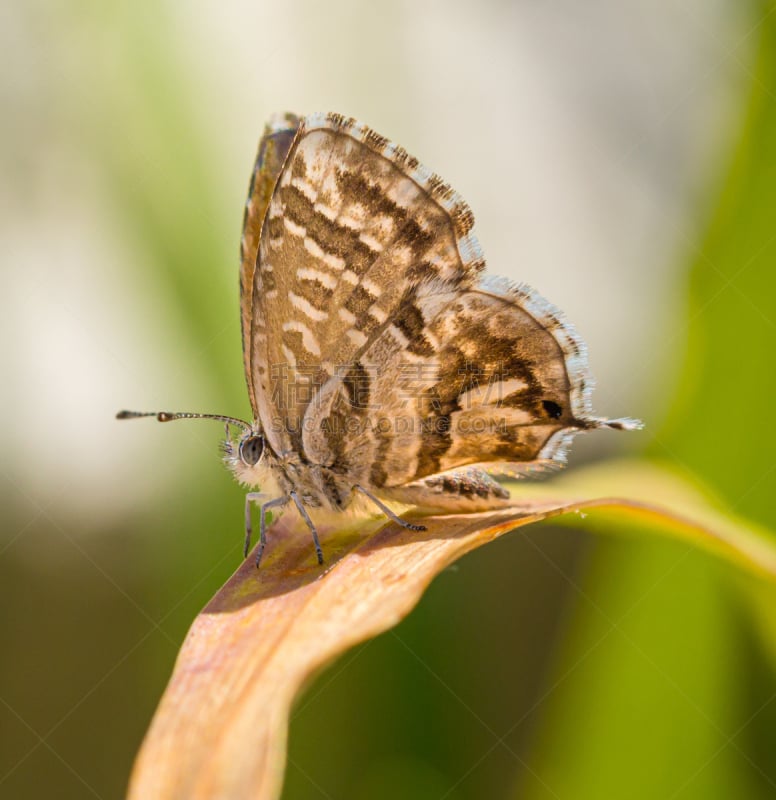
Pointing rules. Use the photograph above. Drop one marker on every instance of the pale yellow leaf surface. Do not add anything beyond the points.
(221, 727)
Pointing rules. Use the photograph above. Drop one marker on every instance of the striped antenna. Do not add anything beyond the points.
(169, 416)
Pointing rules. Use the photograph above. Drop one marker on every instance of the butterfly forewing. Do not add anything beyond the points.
(353, 223)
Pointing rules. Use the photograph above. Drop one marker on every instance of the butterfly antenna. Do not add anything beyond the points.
(169, 416)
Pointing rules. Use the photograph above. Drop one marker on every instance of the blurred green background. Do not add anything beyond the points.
(620, 157)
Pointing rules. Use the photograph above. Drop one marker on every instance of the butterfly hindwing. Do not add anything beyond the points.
(462, 376)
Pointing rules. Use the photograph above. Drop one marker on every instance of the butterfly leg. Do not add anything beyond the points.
(251, 497)
(278, 501)
(306, 517)
(387, 511)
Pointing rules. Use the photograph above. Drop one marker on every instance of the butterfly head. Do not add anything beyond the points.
(249, 457)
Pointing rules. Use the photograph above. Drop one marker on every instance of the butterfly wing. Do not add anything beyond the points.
(273, 148)
(489, 374)
(353, 223)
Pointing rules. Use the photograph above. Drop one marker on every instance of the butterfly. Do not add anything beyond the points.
(381, 361)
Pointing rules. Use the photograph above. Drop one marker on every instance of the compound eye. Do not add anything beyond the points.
(251, 449)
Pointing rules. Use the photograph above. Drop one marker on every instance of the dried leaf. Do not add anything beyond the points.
(221, 727)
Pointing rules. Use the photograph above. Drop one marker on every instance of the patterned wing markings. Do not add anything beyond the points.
(491, 375)
(273, 148)
(353, 223)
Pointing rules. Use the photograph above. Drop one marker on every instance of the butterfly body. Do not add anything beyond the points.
(380, 361)
(279, 475)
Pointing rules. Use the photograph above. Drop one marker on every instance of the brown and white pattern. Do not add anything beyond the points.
(379, 358)
(354, 222)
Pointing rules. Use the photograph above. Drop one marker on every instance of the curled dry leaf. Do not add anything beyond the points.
(220, 730)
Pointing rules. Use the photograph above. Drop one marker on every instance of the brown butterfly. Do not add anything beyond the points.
(380, 360)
